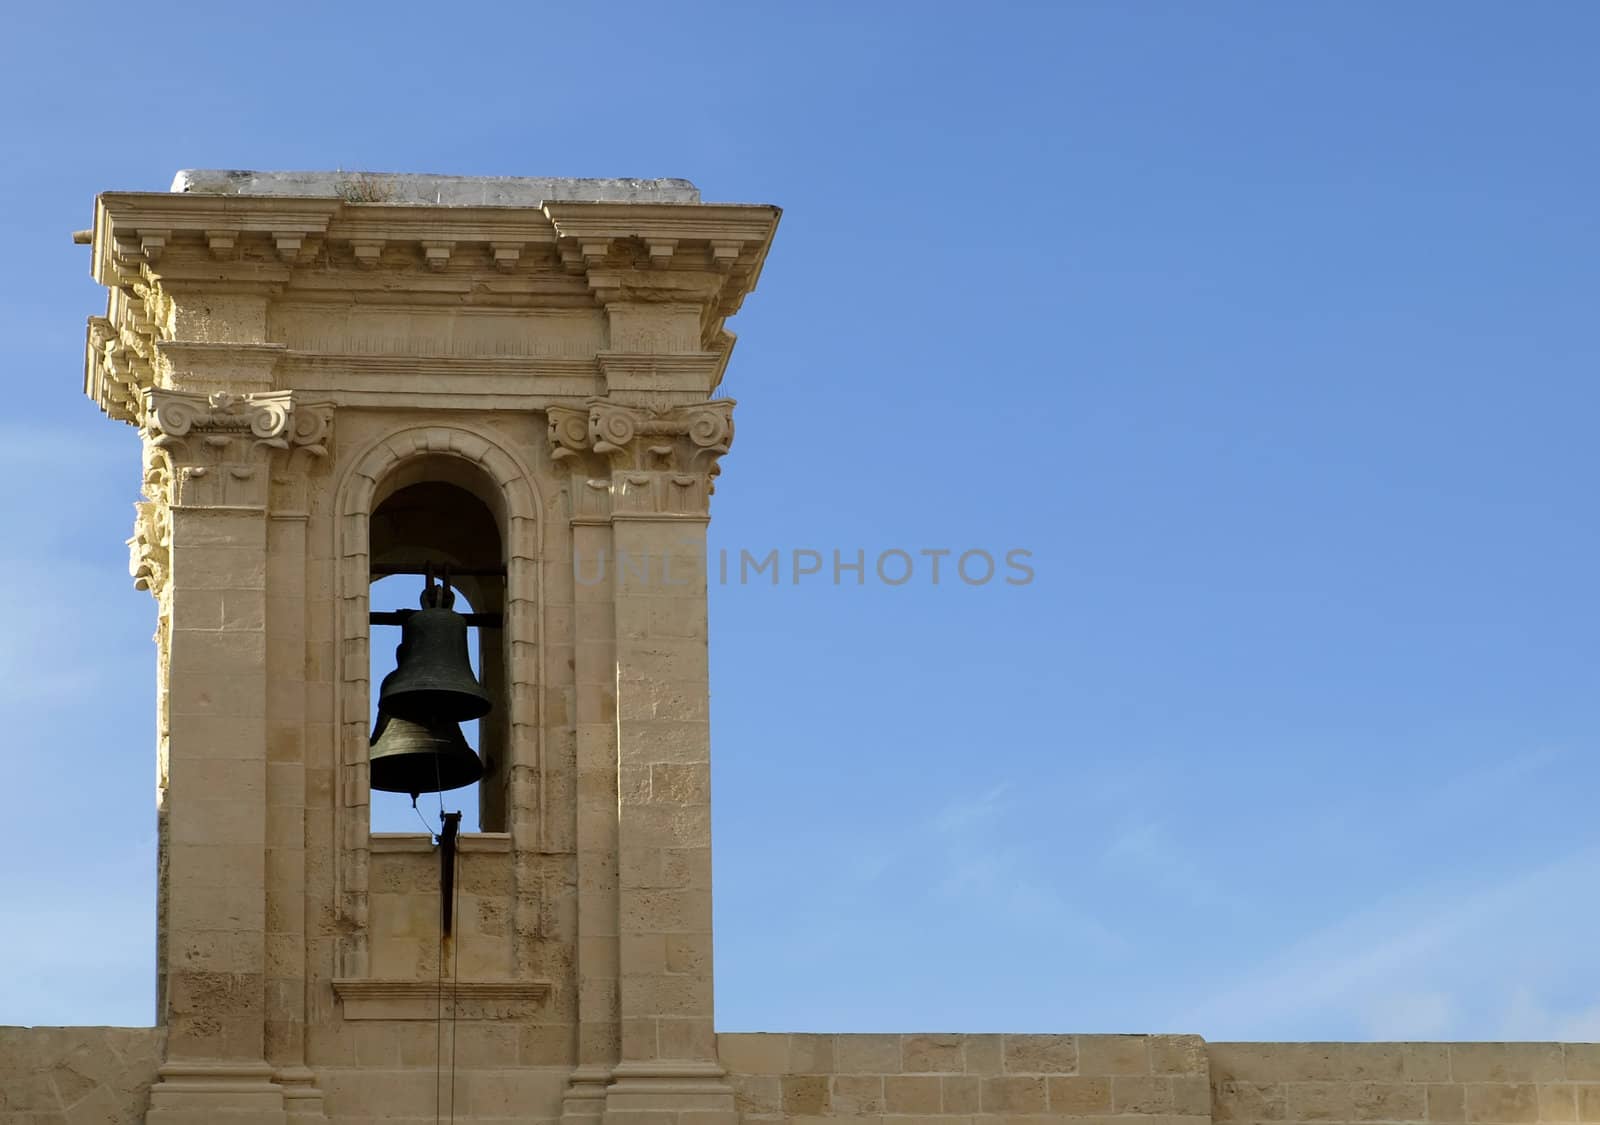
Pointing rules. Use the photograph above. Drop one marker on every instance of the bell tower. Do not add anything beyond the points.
(512, 382)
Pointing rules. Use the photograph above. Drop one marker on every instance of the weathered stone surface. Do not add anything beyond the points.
(412, 187)
(76, 1074)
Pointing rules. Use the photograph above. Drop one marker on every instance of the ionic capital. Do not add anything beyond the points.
(657, 461)
(219, 444)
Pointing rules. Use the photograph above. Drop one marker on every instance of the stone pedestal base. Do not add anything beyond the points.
(224, 1093)
(302, 1098)
(584, 1102)
(669, 1093)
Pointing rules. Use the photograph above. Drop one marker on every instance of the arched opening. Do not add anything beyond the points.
(442, 512)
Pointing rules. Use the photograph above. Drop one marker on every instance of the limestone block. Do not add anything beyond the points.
(1178, 1055)
(1113, 1054)
(1446, 1102)
(1011, 1095)
(1502, 1103)
(1250, 1101)
(691, 1037)
(867, 1054)
(916, 1094)
(1507, 1062)
(932, 1054)
(1319, 1101)
(857, 1095)
(811, 1054)
(545, 1045)
(961, 1095)
(1425, 1062)
(1372, 1061)
(1276, 1062)
(1558, 1102)
(984, 1054)
(805, 1094)
(1388, 1101)
(518, 1094)
(1040, 1054)
(1582, 1061)
(689, 954)
(753, 1053)
(1079, 1097)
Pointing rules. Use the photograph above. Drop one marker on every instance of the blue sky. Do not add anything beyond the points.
(1268, 330)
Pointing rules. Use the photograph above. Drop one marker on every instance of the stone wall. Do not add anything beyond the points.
(76, 1075)
(976, 1079)
(1447, 1083)
(101, 1075)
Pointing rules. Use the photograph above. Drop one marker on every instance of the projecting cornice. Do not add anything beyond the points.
(252, 293)
(138, 235)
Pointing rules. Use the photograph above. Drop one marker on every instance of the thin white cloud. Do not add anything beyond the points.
(980, 872)
(1145, 848)
(1528, 1016)
(1357, 972)
(964, 814)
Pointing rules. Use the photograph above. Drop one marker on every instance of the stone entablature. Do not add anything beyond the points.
(303, 293)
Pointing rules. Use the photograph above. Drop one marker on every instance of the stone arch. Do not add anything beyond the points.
(404, 456)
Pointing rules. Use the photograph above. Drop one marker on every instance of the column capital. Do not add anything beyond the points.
(218, 445)
(656, 461)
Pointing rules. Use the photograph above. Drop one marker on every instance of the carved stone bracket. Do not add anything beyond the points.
(657, 461)
(218, 444)
(150, 547)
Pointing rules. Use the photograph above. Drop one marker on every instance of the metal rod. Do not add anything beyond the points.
(383, 570)
(398, 617)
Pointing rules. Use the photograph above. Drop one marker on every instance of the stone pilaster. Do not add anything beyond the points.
(203, 536)
(659, 465)
(595, 818)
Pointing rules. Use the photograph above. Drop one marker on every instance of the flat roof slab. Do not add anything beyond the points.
(414, 187)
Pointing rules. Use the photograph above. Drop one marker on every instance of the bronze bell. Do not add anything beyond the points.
(415, 758)
(433, 679)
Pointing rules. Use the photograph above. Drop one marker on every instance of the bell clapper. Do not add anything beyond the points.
(447, 867)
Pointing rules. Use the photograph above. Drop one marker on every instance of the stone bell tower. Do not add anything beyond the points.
(338, 377)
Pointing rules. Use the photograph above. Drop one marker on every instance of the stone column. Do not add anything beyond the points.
(211, 459)
(662, 466)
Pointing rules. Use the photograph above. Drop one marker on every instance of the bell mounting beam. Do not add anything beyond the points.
(383, 570)
(398, 617)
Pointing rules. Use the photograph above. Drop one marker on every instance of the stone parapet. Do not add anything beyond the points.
(970, 1079)
(1447, 1083)
(67, 1075)
(62, 1076)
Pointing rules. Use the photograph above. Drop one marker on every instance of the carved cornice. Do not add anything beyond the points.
(711, 253)
(626, 249)
(160, 252)
(648, 462)
(120, 353)
(217, 444)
